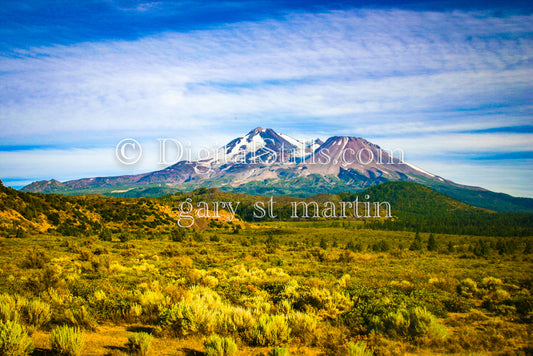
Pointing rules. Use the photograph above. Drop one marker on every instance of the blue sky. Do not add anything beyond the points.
(448, 83)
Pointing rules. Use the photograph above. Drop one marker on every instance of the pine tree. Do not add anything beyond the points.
(323, 244)
(432, 243)
(451, 247)
(417, 243)
(481, 248)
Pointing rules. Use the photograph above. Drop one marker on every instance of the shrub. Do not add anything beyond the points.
(381, 246)
(358, 349)
(493, 301)
(198, 236)
(270, 330)
(457, 304)
(237, 319)
(467, 288)
(36, 258)
(397, 323)
(37, 313)
(8, 308)
(219, 346)
(139, 343)
(491, 283)
(151, 302)
(14, 341)
(123, 237)
(279, 351)
(425, 323)
(354, 247)
(178, 234)
(193, 314)
(420, 322)
(481, 248)
(67, 341)
(302, 325)
(135, 311)
(105, 235)
(79, 317)
(524, 306)
(327, 304)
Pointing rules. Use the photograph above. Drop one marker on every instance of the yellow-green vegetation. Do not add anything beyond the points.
(216, 345)
(326, 287)
(14, 341)
(358, 348)
(279, 351)
(139, 343)
(67, 341)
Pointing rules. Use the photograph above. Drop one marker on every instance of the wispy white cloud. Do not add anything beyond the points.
(364, 72)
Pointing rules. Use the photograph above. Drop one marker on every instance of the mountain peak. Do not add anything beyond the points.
(256, 131)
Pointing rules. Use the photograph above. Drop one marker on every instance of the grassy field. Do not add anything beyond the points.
(309, 288)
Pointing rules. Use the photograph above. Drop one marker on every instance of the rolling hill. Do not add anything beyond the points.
(414, 207)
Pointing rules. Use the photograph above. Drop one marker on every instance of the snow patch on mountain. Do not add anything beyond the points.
(419, 169)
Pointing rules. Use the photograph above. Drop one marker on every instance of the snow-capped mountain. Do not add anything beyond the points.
(264, 146)
(265, 162)
(263, 155)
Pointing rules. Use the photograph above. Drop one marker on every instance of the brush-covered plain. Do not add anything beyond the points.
(266, 288)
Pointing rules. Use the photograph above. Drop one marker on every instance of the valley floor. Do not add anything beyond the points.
(312, 288)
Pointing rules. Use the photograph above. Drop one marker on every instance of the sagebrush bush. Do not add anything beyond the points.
(421, 320)
(199, 311)
(135, 311)
(139, 343)
(358, 348)
(408, 322)
(279, 351)
(397, 322)
(270, 330)
(36, 258)
(37, 313)
(67, 341)
(219, 346)
(8, 308)
(494, 301)
(78, 316)
(236, 319)
(327, 304)
(491, 283)
(14, 341)
(467, 288)
(303, 325)
(34, 313)
(425, 323)
(152, 302)
(189, 318)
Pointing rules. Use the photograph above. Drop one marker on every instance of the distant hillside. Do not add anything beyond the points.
(419, 208)
(414, 208)
(22, 213)
(486, 199)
